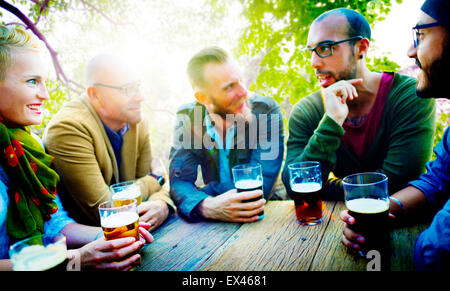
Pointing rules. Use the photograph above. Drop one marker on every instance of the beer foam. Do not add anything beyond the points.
(367, 205)
(248, 184)
(119, 219)
(126, 194)
(306, 187)
(39, 258)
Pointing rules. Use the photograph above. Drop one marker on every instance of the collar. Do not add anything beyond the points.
(211, 131)
(119, 133)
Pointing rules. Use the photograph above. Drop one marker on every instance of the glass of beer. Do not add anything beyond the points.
(367, 199)
(119, 219)
(126, 190)
(305, 179)
(39, 253)
(248, 177)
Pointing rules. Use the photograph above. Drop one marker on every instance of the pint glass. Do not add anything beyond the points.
(119, 219)
(126, 190)
(367, 199)
(39, 253)
(305, 179)
(248, 177)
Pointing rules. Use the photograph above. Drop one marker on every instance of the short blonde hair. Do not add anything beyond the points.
(13, 37)
(200, 60)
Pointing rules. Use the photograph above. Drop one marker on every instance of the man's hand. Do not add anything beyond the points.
(229, 206)
(351, 239)
(153, 212)
(335, 97)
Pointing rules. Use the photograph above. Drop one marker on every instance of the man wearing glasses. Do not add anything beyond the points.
(101, 139)
(360, 121)
(431, 191)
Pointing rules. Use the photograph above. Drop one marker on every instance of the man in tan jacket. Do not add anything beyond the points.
(100, 139)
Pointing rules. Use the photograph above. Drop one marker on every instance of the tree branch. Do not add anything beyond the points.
(112, 21)
(61, 76)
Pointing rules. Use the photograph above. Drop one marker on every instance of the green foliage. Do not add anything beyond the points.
(442, 123)
(58, 96)
(382, 64)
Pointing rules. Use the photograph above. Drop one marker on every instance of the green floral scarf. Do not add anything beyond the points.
(32, 188)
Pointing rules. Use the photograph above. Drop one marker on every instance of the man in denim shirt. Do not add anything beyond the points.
(226, 126)
(431, 191)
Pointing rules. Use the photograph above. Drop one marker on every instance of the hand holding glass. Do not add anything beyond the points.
(367, 199)
(119, 219)
(248, 177)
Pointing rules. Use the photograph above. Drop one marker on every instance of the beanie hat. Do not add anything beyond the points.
(439, 10)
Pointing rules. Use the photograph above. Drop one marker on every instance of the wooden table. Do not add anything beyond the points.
(277, 242)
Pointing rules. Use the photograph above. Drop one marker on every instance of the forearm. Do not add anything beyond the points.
(412, 200)
(77, 235)
(187, 197)
(206, 208)
(163, 196)
(5, 265)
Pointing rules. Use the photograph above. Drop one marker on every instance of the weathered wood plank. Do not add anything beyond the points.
(331, 254)
(182, 246)
(277, 242)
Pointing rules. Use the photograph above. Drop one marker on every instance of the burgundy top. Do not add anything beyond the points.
(359, 138)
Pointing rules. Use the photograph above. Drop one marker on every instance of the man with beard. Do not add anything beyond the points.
(360, 121)
(431, 191)
(226, 126)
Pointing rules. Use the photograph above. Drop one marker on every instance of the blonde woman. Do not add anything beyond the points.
(29, 205)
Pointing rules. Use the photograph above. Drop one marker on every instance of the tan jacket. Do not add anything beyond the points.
(85, 160)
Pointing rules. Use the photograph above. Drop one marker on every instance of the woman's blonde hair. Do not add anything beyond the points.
(13, 37)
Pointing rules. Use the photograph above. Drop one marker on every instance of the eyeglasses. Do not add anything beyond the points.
(325, 49)
(130, 90)
(416, 31)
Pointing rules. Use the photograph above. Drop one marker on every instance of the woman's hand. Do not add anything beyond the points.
(116, 255)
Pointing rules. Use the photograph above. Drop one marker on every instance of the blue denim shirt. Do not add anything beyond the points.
(57, 222)
(432, 248)
(223, 149)
(190, 152)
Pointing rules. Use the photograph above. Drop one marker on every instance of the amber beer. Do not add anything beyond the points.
(119, 219)
(120, 225)
(308, 204)
(250, 185)
(371, 221)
